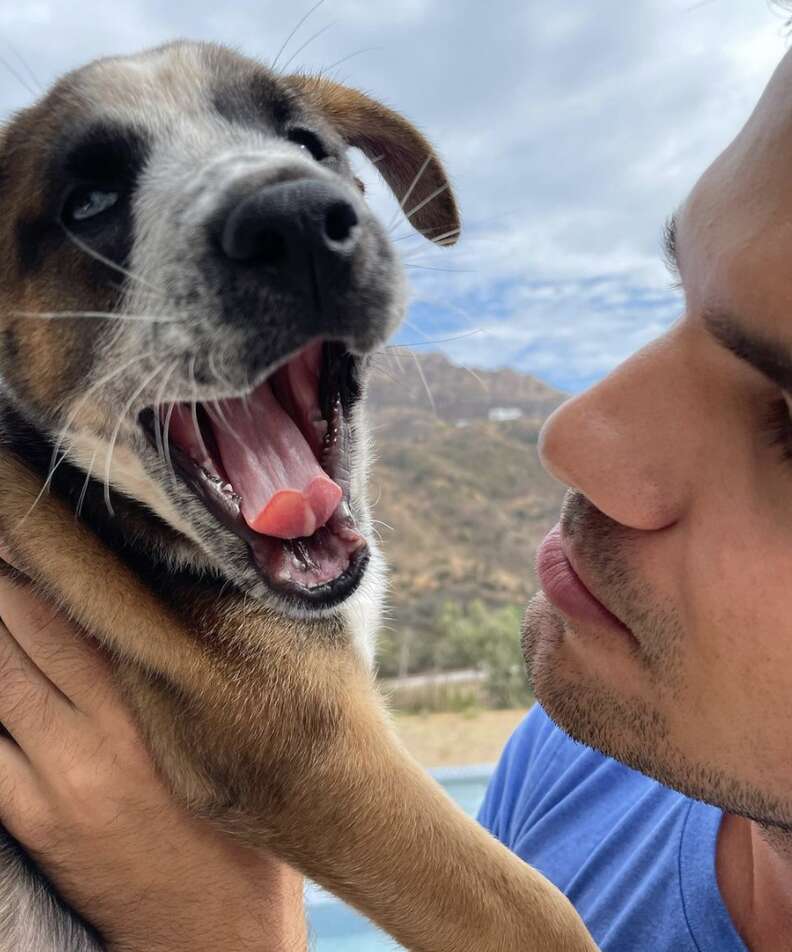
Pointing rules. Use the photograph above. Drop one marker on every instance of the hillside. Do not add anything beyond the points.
(458, 487)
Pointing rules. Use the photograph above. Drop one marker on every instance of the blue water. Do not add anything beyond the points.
(337, 928)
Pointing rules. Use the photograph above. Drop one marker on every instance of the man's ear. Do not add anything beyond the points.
(402, 155)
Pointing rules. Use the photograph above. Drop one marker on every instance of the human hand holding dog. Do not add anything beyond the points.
(80, 792)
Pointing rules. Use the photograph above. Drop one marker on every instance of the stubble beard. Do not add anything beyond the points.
(633, 730)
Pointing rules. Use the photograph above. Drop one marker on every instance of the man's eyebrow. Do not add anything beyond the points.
(669, 245)
(772, 358)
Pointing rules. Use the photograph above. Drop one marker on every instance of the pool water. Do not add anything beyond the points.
(337, 928)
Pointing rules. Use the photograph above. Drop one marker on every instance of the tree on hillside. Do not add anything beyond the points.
(477, 636)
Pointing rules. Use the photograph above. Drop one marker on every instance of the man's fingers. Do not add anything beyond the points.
(56, 646)
(23, 809)
(29, 703)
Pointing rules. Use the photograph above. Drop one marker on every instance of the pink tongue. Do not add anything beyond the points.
(285, 493)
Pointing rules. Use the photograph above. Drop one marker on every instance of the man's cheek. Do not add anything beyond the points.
(737, 640)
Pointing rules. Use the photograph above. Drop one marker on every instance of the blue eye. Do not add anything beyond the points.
(87, 202)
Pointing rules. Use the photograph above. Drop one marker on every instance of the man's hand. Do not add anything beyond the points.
(79, 791)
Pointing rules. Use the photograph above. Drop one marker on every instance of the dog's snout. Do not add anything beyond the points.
(287, 225)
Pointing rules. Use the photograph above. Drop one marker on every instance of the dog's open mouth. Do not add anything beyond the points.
(274, 467)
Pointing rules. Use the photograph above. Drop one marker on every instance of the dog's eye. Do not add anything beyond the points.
(88, 202)
(309, 141)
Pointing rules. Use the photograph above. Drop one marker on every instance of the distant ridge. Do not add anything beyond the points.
(458, 479)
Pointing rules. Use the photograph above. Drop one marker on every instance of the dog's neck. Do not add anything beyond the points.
(133, 532)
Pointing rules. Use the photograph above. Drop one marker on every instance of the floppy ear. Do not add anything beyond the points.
(403, 156)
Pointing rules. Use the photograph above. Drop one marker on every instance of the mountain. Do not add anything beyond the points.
(461, 498)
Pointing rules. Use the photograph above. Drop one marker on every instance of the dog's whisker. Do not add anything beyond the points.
(193, 406)
(314, 8)
(308, 42)
(407, 348)
(426, 267)
(224, 381)
(429, 341)
(25, 66)
(168, 459)
(224, 421)
(106, 315)
(445, 305)
(366, 49)
(122, 418)
(18, 76)
(116, 372)
(414, 235)
(438, 340)
(419, 175)
(81, 501)
(424, 381)
(420, 235)
(97, 256)
(158, 436)
(220, 378)
(377, 367)
(246, 405)
(395, 358)
(441, 241)
(472, 373)
(55, 460)
(429, 198)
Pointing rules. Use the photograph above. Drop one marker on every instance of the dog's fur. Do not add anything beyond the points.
(262, 715)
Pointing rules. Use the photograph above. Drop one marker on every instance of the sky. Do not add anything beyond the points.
(570, 131)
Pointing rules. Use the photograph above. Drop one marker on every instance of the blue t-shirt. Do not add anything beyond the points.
(635, 858)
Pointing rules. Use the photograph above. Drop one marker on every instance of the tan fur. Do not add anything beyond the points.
(275, 731)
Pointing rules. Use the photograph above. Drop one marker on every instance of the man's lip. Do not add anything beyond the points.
(557, 569)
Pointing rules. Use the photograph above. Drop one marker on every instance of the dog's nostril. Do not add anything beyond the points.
(340, 219)
(271, 247)
(290, 227)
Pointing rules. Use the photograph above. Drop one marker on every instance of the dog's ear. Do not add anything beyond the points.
(403, 156)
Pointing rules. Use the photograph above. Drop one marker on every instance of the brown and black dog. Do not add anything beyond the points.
(191, 286)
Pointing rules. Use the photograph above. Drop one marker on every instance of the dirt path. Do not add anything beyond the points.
(441, 740)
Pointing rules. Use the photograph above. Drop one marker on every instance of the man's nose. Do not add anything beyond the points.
(303, 230)
(631, 443)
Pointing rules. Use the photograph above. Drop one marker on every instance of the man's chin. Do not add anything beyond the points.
(587, 709)
(542, 631)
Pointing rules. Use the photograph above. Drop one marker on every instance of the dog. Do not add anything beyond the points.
(191, 289)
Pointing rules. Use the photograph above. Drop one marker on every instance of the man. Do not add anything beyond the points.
(663, 639)
(664, 634)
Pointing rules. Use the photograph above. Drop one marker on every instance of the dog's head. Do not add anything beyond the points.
(190, 284)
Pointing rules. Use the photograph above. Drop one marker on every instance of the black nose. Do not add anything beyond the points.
(300, 227)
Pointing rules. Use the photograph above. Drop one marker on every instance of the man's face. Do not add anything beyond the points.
(680, 516)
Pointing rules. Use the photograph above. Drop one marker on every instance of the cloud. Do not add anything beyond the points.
(570, 130)
(567, 332)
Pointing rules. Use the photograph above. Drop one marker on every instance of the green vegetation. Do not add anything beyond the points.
(482, 640)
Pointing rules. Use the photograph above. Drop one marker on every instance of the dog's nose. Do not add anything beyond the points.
(291, 226)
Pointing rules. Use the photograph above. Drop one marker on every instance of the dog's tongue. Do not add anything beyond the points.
(284, 491)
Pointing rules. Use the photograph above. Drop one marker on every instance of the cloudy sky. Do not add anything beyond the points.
(571, 130)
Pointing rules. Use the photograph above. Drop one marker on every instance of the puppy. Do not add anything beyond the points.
(191, 285)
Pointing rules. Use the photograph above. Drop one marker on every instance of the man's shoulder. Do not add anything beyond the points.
(636, 858)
